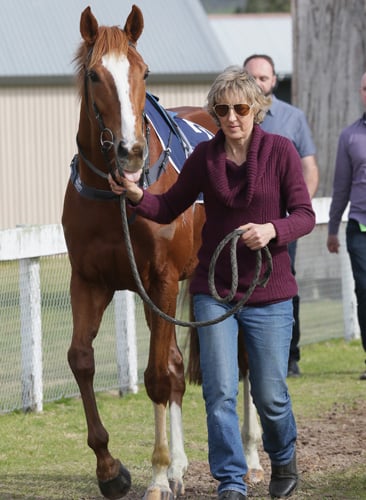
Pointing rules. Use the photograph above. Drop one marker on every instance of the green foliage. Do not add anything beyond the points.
(246, 6)
(261, 6)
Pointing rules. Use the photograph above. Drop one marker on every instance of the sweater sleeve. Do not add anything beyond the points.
(164, 208)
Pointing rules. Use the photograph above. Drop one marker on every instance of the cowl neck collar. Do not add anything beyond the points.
(241, 195)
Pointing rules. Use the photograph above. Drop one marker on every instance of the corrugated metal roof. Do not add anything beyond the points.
(40, 37)
(244, 34)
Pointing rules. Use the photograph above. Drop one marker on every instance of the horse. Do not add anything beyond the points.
(113, 134)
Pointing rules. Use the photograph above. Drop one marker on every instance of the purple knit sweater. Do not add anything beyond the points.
(268, 187)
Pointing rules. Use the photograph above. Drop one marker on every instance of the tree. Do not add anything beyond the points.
(329, 58)
(260, 6)
(244, 6)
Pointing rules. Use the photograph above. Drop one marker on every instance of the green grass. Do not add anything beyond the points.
(330, 372)
(45, 456)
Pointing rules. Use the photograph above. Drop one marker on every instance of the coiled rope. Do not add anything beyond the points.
(233, 237)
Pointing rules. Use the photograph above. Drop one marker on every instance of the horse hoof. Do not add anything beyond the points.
(117, 487)
(254, 476)
(177, 488)
(157, 493)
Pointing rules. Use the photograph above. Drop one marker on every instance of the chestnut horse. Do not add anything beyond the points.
(112, 135)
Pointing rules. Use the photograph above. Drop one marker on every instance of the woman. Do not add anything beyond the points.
(250, 180)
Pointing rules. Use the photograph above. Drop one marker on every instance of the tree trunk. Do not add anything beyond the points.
(329, 58)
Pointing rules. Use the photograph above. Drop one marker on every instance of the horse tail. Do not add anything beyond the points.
(242, 355)
(193, 373)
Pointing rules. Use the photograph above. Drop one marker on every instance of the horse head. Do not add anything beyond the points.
(111, 76)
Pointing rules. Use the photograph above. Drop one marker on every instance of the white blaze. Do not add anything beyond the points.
(119, 69)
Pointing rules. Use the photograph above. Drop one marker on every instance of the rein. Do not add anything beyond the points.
(233, 237)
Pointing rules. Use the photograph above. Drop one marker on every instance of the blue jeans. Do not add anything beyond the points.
(267, 333)
(356, 247)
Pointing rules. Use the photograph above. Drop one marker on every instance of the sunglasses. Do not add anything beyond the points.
(223, 109)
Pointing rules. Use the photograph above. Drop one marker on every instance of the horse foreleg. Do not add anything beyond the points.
(165, 384)
(168, 468)
(114, 479)
(251, 436)
(179, 461)
(159, 488)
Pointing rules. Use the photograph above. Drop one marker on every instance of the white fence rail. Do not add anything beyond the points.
(27, 245)
(36, 315)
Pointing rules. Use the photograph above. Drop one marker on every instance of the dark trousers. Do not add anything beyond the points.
(294, 347)
(356, 247)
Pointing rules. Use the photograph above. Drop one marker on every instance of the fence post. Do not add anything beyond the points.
(126, 344)
(350, 319)
(31, 334)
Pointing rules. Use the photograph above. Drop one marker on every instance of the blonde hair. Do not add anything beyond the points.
(235, 80)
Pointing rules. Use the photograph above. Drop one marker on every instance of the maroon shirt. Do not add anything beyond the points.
(268, 187)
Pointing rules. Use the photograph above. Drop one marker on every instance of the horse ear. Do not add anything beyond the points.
(134, 24)
(88, 26)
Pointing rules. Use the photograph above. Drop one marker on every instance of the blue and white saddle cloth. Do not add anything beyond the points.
(181, 136)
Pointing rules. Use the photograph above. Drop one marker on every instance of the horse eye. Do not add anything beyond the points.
(93, 75)
(146, 74)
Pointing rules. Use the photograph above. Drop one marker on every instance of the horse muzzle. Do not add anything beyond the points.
(130, 161)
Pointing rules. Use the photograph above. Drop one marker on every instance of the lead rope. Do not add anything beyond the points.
(233, 237)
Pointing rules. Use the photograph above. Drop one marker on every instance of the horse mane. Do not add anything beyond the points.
(110, 39)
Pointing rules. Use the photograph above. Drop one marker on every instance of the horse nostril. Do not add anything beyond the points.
(122, 151)
(137, 150)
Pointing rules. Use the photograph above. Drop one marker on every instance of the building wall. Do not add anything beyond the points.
(184, 94)
(37, 142)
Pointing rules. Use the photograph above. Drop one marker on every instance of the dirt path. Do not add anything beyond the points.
(332, 444)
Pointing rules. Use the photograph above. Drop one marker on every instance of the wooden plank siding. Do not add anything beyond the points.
(38, 126)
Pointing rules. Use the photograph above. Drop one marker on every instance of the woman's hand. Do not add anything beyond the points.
(133, 192)
(257, 236)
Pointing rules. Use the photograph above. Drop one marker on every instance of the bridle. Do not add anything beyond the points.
(106, 138)
(149, 173)
(105, 143)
